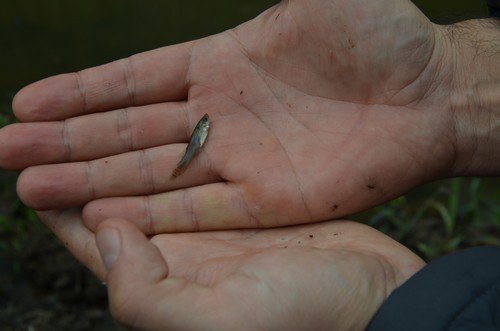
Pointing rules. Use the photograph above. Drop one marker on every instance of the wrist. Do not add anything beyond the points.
(474, 55)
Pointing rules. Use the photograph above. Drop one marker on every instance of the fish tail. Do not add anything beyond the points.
(177, 172)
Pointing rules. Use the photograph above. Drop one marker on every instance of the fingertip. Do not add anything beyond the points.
(46, 188)
(18, 104)
(128, 254)
(134, 267)
(108, 242)
(28, 144)
(45, 100)
(35, 192)
(92, 216)
(8, 148)
(27, 102)
(25, 191)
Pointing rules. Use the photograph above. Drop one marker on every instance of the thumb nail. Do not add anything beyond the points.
(108, 243)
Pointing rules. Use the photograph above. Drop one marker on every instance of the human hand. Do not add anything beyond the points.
(327, 276)
(319, 109)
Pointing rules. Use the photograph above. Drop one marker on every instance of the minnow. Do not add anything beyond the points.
(197, 140)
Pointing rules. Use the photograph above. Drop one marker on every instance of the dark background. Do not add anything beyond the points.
(42, 287)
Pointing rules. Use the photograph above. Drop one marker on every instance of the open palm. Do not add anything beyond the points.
(319, 109)
(327, 276)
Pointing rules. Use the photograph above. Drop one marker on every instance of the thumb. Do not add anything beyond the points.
(134, 267)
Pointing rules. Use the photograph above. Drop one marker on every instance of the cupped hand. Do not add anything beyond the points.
(326, 276)
(318, 108)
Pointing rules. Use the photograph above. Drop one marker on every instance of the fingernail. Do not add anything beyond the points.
(108, 243)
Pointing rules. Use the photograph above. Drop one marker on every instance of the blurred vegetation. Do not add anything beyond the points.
(16, 224)
(441, 217)
(15, 219)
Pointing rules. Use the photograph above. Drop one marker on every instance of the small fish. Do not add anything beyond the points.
(197, 140)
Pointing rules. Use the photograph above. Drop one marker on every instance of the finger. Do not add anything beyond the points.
(113, 237)
(138, 278)
(68, 226)
(23, 144)
(142, 172)
(208, 207)
(150, 77)
(93, 136)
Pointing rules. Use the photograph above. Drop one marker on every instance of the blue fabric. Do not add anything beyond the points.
(459, 292)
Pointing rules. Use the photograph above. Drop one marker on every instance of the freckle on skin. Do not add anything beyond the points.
(311, 236)
(371, 187)
(335, 207)
(241, 92)
(332, 56)
(351, 43)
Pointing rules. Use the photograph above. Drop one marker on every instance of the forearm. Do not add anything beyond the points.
(475, 95)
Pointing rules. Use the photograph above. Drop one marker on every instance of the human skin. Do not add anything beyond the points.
(327, 276)
(319, 109)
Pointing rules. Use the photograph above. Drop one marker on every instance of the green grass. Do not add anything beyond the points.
(440, 218)
(15, 226)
